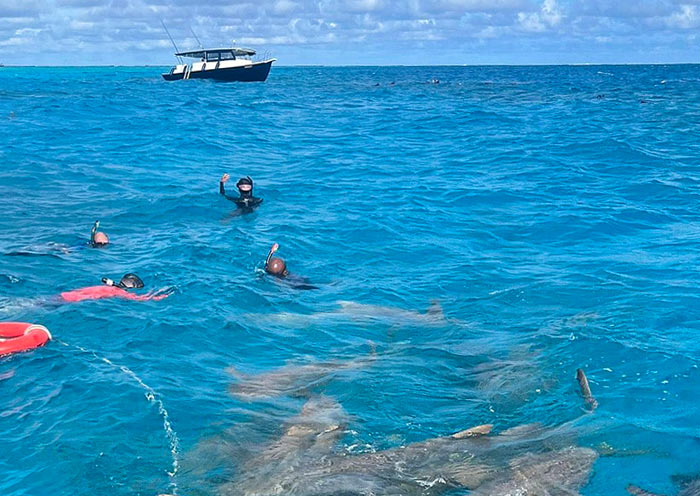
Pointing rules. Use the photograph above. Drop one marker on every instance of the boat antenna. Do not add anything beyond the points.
(196, 38)
(171, 41)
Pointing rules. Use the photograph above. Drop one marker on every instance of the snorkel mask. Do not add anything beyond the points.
(245, 186)
(129, 281)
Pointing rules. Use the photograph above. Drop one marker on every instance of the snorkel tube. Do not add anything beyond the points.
(275, 266)
(272, 251)
(98, 239)
(95, 227)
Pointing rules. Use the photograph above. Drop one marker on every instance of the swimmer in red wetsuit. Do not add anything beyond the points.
(110, 289)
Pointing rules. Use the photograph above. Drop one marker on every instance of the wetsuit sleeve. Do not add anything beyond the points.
(222, 192)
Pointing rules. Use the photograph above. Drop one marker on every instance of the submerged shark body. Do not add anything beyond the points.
(350, 311)
(306, 461)
(556, 473)
(433, 316)
(291, 380)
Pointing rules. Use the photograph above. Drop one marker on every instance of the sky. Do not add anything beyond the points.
(353, 32)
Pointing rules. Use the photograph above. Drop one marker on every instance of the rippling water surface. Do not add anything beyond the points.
(552, 211)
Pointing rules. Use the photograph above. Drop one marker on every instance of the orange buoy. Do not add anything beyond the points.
(21, 336)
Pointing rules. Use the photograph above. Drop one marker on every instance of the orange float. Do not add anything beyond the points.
(21, 336)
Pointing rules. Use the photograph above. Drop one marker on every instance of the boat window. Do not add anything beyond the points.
(227, 56)
(212, 57)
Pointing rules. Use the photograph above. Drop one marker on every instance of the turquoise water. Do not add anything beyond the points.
(552, 211)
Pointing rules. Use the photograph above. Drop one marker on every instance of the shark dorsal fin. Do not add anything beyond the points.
(435, 309)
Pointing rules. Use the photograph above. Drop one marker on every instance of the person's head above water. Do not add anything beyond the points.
(98, 239)
(245, 186)
(129, 281)
(275, 266)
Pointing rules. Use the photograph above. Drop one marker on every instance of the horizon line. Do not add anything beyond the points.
(564, 64)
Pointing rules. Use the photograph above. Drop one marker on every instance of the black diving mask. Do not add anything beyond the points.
(129, 281)
(245, 186)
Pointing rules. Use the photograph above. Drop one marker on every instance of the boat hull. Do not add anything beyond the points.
(256, 72)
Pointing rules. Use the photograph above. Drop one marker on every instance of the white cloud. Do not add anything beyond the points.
(27, 31)
(550, 12)
(81, 25)
(282, 7)
(531, 22)
(548, 16)
(364, 5)
(463, 6)
(489, 32)
(14, 41)
(57, 27)
(687, 17)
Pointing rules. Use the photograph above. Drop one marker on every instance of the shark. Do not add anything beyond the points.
(307, 460)
(363, 313)
(434, 315)
(295, 380)
(509, 382)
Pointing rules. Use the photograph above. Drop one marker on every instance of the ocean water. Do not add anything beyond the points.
(551, 211)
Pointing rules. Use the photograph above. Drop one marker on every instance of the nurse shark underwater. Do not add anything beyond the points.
(483, 286)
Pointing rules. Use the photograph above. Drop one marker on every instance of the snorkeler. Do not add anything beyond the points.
(245, 201)
(98, 239)
(276, 267)
(110, 289)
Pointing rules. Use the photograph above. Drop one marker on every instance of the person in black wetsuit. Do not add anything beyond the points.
(245, 200)
(276, 267)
